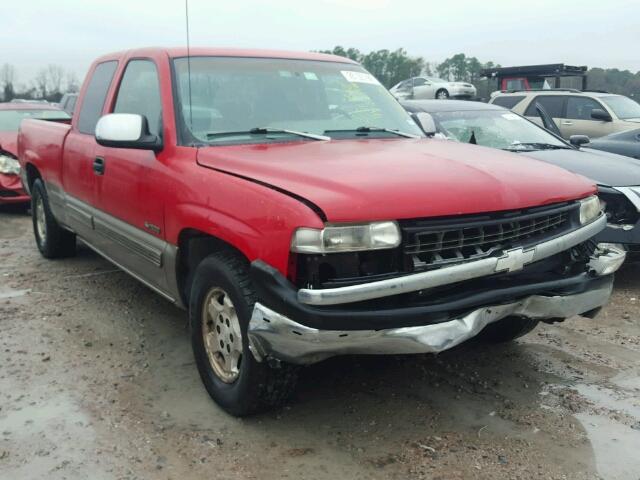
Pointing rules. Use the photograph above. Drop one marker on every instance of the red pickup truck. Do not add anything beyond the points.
(296, 210)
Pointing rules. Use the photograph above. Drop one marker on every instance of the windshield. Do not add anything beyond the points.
(230, 94)
(496, 129)
(623, 107)
(10, 119)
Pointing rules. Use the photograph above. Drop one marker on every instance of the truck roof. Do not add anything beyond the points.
(177, 52)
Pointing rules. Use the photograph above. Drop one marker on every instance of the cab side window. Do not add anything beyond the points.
(580, 108)
(139, 93)
(95, 95)
(418, 82)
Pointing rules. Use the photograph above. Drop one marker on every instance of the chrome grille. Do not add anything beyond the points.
(439, 243)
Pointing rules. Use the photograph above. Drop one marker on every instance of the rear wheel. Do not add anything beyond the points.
(442, 94)
(220, 307)
(507, 329)
(53, 241)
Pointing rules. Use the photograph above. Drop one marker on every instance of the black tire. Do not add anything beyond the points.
(442, 94)
(507, 329)
(52, 240)
(258, 386)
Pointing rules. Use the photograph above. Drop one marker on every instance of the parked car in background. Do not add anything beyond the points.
(623, 143)
(297, 224)
(68, 102)
(11, 114)
(594, 114)
(431, 87)
(617, 177)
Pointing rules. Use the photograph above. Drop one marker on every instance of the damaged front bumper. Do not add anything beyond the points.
(304, 334)
(272, 335)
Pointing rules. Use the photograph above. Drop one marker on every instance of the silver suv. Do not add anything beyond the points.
(595, 114)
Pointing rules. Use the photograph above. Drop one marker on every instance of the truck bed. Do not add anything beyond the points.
(40, 143)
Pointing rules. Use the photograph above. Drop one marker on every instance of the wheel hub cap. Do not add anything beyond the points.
(222, 335)
(41, 224)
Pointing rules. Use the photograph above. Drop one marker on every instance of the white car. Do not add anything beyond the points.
(420, 88)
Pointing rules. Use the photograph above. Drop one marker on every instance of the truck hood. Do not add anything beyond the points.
(604, 168)
(9, 142)
(359, 180)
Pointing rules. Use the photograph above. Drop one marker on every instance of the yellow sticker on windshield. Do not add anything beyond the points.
(310, 76)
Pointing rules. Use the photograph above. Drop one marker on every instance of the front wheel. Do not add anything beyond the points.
(52, 240)
(442, 94)
(220, 307)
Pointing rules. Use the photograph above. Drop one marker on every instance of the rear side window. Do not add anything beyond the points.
(139, 93)
(95, 96)
(554, 105)
(508, 102)
(580, 108)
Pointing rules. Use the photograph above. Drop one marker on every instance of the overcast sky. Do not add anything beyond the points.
(73, 32)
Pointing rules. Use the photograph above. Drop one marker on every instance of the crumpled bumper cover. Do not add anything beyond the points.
(272, 335)
(11, 190)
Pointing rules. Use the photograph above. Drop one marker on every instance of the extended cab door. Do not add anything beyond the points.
(578, 119)
(77, 197)
(130, 217)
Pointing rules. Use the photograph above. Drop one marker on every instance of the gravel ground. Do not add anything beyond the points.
(97, 381)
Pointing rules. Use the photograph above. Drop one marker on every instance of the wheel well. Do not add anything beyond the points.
(193, 247)
(32, 175)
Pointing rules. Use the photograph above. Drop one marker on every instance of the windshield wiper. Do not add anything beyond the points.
(266, 131)
(536, 146)
(376, 129)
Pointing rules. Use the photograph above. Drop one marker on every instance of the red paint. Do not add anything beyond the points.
(8, 143)
(182, 188)
(524, 80)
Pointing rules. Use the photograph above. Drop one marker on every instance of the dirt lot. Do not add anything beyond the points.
(97, 381)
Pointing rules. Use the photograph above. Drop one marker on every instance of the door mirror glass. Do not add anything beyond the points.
(579, 140)
(126, 130)
(426, 122)
(599, 114)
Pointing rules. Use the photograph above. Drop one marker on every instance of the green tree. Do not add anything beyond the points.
(389, 67)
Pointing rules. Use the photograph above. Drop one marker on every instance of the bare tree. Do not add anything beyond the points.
(56, 75)
(7, 74)
(41, 81)
(73, 85)
(7, 81)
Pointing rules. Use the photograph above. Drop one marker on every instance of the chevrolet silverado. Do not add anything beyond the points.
(292, 206)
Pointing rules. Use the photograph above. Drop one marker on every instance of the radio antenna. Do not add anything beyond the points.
(186, 14)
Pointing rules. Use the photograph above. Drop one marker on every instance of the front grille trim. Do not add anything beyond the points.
(430, 244)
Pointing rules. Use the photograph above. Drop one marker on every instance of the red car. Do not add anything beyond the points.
(296, 210)
(11, 114)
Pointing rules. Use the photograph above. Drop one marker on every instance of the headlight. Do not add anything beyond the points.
(9, 165)
(589, 209)
(346, 238)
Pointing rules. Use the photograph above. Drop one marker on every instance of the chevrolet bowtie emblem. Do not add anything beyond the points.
(514, 260)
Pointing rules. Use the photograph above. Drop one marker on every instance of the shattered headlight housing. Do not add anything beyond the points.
(9, 165)
(346, 238)
(590, 209)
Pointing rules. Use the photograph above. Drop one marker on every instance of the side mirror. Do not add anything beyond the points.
(579, 140)
(126, 130)
(426, 122)
(599, 114)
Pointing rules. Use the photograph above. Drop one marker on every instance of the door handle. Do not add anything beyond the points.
(98, 166)
(566, 122)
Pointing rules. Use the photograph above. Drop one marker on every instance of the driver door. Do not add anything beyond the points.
(131, 213)
(422, 89)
